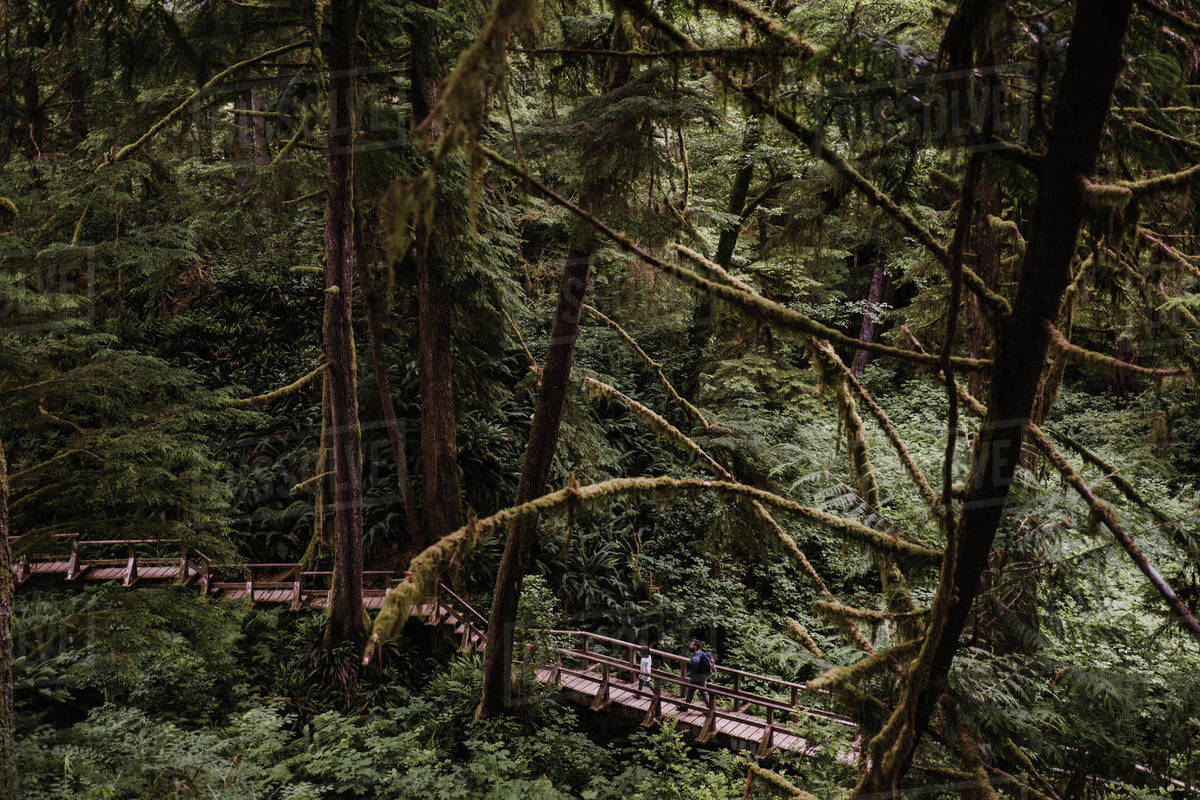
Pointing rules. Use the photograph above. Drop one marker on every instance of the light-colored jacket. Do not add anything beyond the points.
(644, 667)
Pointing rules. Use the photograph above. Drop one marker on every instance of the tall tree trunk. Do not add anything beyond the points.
(345, 622)
(8, 768)
(76, 86)
(535, 472)
(395, 434)
(439, 449)
(874, 297)
(33, 137)
(705, 313)
(987, 266)
(1081, 106)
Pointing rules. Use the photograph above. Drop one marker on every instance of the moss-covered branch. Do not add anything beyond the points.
(1103, 362)
(780, 782)
(864, 666)
(1104, 513)
(800, 634)
(922, 483)
(1162, 183)
(767, 25)
(283, 391)
(834, 610)
(677, 436)
(1175, 255)
(758, 305)
(654, 366)
(132, 147)
(425, 568)
(816, 142)
(1170, 15)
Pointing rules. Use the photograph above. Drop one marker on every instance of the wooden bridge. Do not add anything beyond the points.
(738, 709)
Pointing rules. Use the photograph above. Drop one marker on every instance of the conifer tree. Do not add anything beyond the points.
(346, 616)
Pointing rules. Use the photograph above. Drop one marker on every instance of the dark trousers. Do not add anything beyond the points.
(697, 682)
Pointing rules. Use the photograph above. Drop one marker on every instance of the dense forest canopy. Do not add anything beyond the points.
(856, 340)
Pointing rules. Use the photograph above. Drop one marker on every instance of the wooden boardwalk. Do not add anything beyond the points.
(742, 710)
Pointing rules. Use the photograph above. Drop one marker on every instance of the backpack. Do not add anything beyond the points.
(707, 665)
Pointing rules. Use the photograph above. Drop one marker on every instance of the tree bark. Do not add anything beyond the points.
(535, 472)
(345, 621)
(987, 266)
(439, 449)
(8, 768)
(1081, 106)
(874, 297)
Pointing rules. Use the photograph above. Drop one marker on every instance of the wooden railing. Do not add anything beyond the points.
(730, 693)
(784, 693)
(720, 700)
(280, 582)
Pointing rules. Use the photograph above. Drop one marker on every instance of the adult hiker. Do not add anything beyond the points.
(700, 667)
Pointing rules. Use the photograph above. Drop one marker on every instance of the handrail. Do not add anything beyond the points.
(470, 608)
(475, 620)
(714, 689)
(683, 659)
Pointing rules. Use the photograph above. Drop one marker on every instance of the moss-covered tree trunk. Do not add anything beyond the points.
(535, 472)
(8, 769)
(1081, 105)
(345, 621)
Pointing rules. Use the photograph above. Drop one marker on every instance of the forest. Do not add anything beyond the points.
(600, 399)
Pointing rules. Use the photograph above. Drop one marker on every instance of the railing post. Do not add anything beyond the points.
(795, 696)
(655, 710)
(709, 728)
(767, 744)
(73, 562)
(602, 693)
(297, 600)
(131, 567)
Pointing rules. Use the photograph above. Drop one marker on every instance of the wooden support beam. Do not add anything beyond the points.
(602, 694)
(767, 743)
(73, 562)
(654, 712)
(709, 729)
(131, 567)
